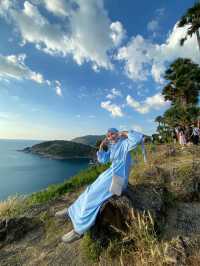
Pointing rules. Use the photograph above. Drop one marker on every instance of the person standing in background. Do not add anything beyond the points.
(195, 135)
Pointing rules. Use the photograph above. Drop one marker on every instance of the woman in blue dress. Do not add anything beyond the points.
(84, 210)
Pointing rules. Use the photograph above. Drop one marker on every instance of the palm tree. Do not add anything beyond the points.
(159, 120)
(191, 19)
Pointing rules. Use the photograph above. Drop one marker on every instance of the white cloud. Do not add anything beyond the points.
(143, 58)
(58, 91)
(58, 88)
(157, 71)
(13, 66)
(58, 7)
(152, 102)
(82, 29)
(114, 93)
(135, 55)
(137, 128)
(153, 25)
(114, 109)
(118, 33)
(37, 77)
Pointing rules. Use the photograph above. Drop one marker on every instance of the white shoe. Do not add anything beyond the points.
(71, 237)
(62, 214)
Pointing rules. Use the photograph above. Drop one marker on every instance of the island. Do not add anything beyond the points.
(62, 149)
(91, 140)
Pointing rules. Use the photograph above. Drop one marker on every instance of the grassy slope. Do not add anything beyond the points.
(44, 247)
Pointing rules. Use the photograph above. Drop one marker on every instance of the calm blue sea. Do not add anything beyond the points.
(24, 173)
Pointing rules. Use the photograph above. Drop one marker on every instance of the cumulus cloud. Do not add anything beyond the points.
(118, 33)
(13, 66)
(114, 93)
(152, 102)
(58, 7)
(82, 29)
(143, 58)
(114, 109)
(135, 55)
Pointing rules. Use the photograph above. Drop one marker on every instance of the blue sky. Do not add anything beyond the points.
(77, 67)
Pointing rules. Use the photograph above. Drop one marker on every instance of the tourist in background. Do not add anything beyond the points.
(195, 135)
(182, 138)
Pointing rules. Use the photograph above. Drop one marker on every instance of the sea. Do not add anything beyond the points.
(23, 173)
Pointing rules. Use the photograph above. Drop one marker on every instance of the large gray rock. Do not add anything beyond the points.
(117, 212)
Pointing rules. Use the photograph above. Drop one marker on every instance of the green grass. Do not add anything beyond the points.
(90, 249)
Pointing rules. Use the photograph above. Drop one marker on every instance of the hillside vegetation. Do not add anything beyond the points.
(162, 226)
(62, 149)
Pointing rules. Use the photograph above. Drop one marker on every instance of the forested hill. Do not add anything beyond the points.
(62, 149)
(88, 139)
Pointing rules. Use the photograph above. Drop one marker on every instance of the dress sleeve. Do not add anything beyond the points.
(103, 156)
(135, 138)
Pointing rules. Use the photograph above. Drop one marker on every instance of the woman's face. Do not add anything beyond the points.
(112, 136)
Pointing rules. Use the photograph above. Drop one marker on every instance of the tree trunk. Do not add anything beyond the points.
(198, 38)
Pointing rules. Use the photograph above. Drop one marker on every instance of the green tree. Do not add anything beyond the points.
(183, 91)
(191, 19)
(159, 119)
(184, 82)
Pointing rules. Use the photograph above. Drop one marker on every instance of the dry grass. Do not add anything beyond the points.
(13, 206)
(147, 250)
(141, 247)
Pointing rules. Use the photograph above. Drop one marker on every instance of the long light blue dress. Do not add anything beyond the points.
(84, 210)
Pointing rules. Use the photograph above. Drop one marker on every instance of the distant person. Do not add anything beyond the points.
(188, 133)
(182, 139)
(174, 136)
(111, 182)
(176, 131)
(195, 135)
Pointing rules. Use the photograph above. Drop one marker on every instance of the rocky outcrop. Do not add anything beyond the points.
(14, 229)
(116, 214)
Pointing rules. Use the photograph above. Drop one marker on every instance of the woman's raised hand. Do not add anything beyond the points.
(104, 142)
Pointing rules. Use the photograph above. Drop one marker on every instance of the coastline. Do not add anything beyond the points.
(54, 157)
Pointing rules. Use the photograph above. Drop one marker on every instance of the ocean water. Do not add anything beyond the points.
(24, 173)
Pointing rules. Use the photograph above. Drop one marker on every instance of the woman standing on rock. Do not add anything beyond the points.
(111, 182)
